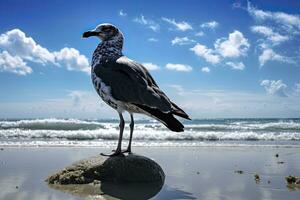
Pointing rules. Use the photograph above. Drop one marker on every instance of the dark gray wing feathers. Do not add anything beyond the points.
(131, 82)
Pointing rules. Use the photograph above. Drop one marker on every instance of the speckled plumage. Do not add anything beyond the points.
(105, 51)
(126, 85)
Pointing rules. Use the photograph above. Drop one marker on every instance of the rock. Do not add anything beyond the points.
(293, 182)
(290, 179)
(129, 168)
(239, 171)
(257, 178)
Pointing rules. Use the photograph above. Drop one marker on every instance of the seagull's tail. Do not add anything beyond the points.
(166, 118)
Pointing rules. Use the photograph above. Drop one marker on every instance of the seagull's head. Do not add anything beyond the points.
(104, 32)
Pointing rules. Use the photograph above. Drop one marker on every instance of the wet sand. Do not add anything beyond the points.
(191, 173)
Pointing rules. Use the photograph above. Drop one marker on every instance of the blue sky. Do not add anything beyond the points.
(213, 58)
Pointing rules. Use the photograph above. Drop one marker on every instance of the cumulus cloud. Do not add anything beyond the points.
(234, 46)
(72, 60)
(122, 13)
(210, 25)
(182, 41)
(17, 43)
(269, 55)
(13, 64)
(208, 54)
(147, 22)
(205, 69)
(182, 26)
(151, 66)
(268, 32)
(18, 48)
(179, 67)
(274, 87)
(236, 65)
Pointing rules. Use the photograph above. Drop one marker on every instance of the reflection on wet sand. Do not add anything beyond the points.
(191, 173)
(107, 190)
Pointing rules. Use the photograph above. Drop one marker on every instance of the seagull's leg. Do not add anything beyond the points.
(131, 132)
(118, 150)
(121, 126)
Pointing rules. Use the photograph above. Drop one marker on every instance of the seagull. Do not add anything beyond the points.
(126, 85)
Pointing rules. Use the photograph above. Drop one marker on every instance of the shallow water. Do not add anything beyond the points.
(191, 172)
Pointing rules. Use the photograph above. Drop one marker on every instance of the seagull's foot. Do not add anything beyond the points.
(117, 152)
(128, 150)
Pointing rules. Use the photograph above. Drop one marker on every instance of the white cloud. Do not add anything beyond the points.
(274, 87)
(211, 25)
(147, 22)
(152, 40)
(208, 54)
(274, 37)
(227, 103)
(182, 41)
(20, 47)
(73, 104)
(77, 97)
(122, 13)
(17, 43)
(297, 89)
(182, 26)
(283, 27)
(199, 34)
(72, 60)
(13, 64)
(236, 65)
(269, 55)
(151, 66)
(256, 13)
(236, 45)
(205, 69)
(179, 67)
(291, 23)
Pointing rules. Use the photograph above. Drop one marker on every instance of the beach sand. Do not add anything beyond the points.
(191, 172)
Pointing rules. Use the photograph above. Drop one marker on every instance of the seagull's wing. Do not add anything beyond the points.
(130, 82)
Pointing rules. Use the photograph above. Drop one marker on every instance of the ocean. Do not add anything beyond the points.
(104, 133)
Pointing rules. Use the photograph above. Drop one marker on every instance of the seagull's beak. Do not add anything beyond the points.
(89, 34)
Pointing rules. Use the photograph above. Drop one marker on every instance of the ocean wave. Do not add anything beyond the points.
(51, 124)
(113, 134)
(197, 130)
(196, 125)
(112, 144)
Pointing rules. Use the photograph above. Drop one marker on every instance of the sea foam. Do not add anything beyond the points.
(73, 130)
